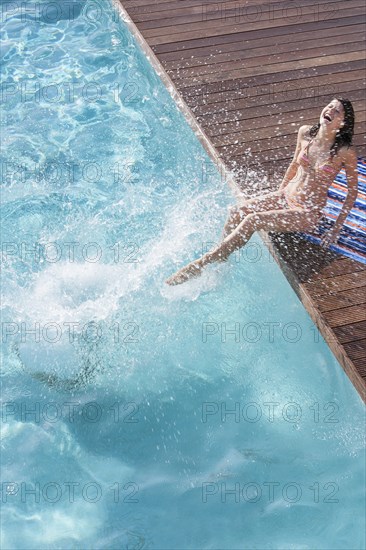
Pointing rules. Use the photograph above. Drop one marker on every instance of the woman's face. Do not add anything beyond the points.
(332, 116)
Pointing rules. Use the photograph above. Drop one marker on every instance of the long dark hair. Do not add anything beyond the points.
(344, 135)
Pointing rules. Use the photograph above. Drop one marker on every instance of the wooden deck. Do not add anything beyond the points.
(251, 73)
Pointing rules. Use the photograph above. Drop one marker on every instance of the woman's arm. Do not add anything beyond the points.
(350, 164)
(292, 169)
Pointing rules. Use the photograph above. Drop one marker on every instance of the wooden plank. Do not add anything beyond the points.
(257, 80)
(199, 31)
(278, 92)
(360, 363)
(252, 59)
(215, 9)
(350, 333)
(184, 44)
(196, 55)
(340, 267)
(356, 350)
(234, 12)
(156, 5)
(353, 296)
(231, 24)
(250, 71)
(337, 284)
(224, 123)
(281, 139)
(211, 63)
(268, 118)
(343, 316)
(279, 100)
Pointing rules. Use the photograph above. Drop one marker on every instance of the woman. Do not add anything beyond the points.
(320, 153)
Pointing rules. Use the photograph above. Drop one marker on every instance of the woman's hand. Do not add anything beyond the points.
(329, 237)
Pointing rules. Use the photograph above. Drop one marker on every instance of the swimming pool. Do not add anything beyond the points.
(135, 415)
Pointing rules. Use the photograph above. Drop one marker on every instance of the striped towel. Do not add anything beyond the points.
(352, 238)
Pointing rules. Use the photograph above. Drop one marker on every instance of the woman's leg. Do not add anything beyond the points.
(296, 219)
(271, 201)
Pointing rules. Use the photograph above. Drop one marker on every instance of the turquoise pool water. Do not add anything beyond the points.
(135, 415)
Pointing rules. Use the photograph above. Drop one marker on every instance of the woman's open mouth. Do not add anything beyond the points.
(327, 117)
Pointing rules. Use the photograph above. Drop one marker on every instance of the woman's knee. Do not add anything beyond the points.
(237, 213)
(244, 210)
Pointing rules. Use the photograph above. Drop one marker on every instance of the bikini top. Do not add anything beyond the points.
(326, 167)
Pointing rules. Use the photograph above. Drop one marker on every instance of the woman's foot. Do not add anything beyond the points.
(190, 271)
